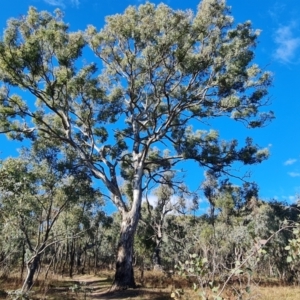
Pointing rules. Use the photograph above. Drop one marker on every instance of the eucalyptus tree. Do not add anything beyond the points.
(82, 221)
(163, 206)
(169, 197)
(129, 115)
(35, 189)
(226, 197)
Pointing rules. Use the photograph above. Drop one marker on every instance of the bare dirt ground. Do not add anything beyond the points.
(99, 288)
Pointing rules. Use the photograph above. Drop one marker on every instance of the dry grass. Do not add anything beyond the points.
(256, 293)
(278, 292)
(153, 285)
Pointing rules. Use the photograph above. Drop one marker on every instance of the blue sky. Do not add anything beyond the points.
(278, 51)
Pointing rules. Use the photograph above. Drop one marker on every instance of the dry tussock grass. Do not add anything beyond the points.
(269, 290)
(278, 292)
(154, 285)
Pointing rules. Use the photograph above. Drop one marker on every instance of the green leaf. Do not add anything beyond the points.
(289, 259)
(285, 222)
(204, 260)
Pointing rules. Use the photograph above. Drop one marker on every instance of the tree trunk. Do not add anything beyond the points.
(156, 259)
(65, 260)
(72, 258)
(32, 267)
(49, 266)
(124, 276)
(23, 259)
(78, 259)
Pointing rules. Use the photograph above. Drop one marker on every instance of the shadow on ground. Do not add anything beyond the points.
(138, 294)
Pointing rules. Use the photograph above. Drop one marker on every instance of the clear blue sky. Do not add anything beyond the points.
(278, 51)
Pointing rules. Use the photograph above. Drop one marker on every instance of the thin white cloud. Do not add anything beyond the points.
(143, 1)
(292, 198)
(63, 3)
(276, 10)
(290, 161)
(294, 174)
(59, 3)
(75, 2)
(287, 42)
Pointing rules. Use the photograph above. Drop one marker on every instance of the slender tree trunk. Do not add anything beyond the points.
(57, 258)
(142, 269)
(83, 263)
(32, 267)
(78, 259)
(40, 266)
(23, 259)
(72, 258)
(49, 266)
(124, 276)
(65, 260)
(156, 259)
(95, 260)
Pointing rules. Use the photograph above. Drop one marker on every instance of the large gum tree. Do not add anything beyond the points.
(129, 113)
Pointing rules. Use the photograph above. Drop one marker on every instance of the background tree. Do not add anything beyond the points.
(35, 189)
(163, 71)
(171, 196)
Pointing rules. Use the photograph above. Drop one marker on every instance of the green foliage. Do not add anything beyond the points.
(198, 268)
(256, 242)
(195, 266)
(207, 72)
(20, 295)
(80, 288)
(293, 246)
(144, 242)
(36, 188)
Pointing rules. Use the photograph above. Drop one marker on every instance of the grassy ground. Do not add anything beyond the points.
(279, 292)
(154, 285)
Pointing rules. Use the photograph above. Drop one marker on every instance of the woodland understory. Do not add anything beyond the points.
(243, 246)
